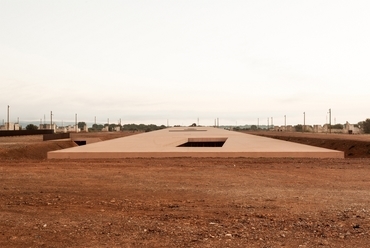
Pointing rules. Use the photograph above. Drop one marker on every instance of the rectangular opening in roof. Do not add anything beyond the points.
(188, 130)
(204, 142)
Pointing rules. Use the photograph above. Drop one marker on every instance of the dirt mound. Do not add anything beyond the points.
(32, 146)
(351, 148)
(36, 150)
(102, 135)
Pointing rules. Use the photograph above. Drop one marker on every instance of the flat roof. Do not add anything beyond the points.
(166, 142)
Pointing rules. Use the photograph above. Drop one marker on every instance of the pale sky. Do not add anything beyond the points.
(149, 61)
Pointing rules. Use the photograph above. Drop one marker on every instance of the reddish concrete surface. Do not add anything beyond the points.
(165, 143)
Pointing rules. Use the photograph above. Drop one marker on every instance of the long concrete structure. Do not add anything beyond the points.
(193, 142)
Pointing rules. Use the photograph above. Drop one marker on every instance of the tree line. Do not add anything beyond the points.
(126, 127)
(363, 125)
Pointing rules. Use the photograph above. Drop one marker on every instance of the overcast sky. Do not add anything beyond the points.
(149, 61)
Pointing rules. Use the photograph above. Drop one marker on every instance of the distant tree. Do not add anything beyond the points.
(298, 128)
(112, 127)
(366, 126)
(337, 126)
(81, 125)
(141, 127)
(253, 127)
(96, 128)
(236, 128)
(31, 127)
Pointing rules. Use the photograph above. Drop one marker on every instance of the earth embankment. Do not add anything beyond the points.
(353, 146)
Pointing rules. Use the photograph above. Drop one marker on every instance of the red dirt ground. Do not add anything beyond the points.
(181, 202)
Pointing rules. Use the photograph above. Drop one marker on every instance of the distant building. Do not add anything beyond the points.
(61, 130)
(11, 126)
(48, 127)
(347, 128)
(288, 128)
(351, 128)
(71, 129)
(85, 129)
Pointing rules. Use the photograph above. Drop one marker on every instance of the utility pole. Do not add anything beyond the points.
(285, 122)
(272, 122)
(76, 128)
(51, 119)
(258, 123)
(8, 124)
(268, 123)
(329, 120)
(304, 122)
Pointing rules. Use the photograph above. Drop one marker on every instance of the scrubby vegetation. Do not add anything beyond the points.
(126, 127)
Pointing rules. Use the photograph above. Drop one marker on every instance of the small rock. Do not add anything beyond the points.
(229, 235)
(325, 242)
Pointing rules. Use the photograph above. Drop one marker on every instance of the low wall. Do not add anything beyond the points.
(25, 132)
(55, 136)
